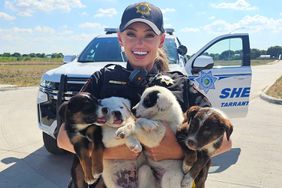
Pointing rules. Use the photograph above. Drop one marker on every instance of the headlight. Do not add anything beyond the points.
(48, 84)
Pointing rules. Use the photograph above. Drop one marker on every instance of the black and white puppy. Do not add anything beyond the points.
(199, 139)
(113, 113)
(80, 115)
(158, 105)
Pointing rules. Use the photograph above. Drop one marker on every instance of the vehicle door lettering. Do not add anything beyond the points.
(235, 92)
(235, 103)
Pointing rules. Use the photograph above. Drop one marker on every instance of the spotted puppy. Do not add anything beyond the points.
(158, 105)
(80, 115)
(199, 139)
(113, 113)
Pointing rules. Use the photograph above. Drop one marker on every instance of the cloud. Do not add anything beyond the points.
(28, 7)
(90, 25)
(237, 5)
(167, 10)
(6, 16)
(189, 30)
(43, 39)
(254, 23)
(110, 12)
(44, 29)
(18, 30)
(212, 18)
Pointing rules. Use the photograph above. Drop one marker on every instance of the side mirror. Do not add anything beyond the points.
(182, 50)
(68, 58)
(202, 62)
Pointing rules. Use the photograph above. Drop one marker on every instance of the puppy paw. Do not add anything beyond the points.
(91, 180)
(148, 125)
(97, 176)
(187, 181)
(136, 148)
(185, 167)
(123, 132)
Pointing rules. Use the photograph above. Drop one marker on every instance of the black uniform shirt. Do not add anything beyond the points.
(114, 81)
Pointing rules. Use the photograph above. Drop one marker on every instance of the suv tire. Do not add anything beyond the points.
(51, 144)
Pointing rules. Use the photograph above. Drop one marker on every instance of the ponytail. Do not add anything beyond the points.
(162, 60)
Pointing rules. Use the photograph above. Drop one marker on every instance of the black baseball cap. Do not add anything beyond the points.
(143, 12)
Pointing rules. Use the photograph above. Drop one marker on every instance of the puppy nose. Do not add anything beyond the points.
(117, 114)
(105, 110)
(133, 110)
(191, 143)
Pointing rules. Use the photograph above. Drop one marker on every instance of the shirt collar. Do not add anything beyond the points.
(154, 70)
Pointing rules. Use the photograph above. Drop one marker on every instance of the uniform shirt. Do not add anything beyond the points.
(114, 80)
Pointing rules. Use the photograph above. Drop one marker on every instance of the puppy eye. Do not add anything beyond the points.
(207, 128)
(121, 107)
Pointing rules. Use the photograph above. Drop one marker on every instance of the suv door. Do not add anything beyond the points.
(222, 71)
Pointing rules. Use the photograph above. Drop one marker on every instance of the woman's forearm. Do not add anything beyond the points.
(226, 146)
(63, 140)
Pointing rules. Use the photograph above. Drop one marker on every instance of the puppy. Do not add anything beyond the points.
(199, 139)
(80, 115)
(113, 113)
(158, 105)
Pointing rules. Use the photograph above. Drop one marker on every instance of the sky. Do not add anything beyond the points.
(67, 26)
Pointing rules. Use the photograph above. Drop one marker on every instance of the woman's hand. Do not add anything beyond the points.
(119, 153)
(168, 148)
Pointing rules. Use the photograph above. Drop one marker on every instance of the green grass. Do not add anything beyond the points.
(34, 59)
(24, 73)
(276, 89)
(28, 73)
(255, 62)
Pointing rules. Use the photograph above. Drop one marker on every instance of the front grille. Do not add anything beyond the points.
(72, 86)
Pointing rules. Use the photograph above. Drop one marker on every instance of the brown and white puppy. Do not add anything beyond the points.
(80, 115)
(199, 139)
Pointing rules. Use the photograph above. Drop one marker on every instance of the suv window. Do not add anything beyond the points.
(107, 49)
(227, 52)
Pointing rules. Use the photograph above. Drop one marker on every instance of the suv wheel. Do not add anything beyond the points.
(51, 144)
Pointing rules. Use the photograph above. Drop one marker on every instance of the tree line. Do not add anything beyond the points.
(274, 52)
(32, 55)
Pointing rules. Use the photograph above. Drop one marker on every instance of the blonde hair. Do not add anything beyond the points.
(162, 60)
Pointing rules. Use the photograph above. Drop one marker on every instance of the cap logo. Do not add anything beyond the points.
(143, 8)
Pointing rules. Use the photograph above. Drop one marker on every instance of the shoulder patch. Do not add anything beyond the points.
(164, 80)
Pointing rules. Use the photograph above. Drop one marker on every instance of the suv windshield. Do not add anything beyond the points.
(102, 50)
(108, 50)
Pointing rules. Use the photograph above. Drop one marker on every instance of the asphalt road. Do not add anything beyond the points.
(254, 161)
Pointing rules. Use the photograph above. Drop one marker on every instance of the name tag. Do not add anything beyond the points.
(117, 82)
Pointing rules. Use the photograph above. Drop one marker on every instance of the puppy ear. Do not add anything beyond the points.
(191, 112)
(126, 103)
(228, 129)
(163, 102)
(62, 110)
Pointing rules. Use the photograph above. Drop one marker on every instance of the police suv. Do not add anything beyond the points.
(221, 70)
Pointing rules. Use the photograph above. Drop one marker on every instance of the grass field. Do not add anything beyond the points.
(24, 73)
(28, 73)
(276, 89)
(33, 59)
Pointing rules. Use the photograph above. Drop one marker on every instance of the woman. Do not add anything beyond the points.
(142, 37)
